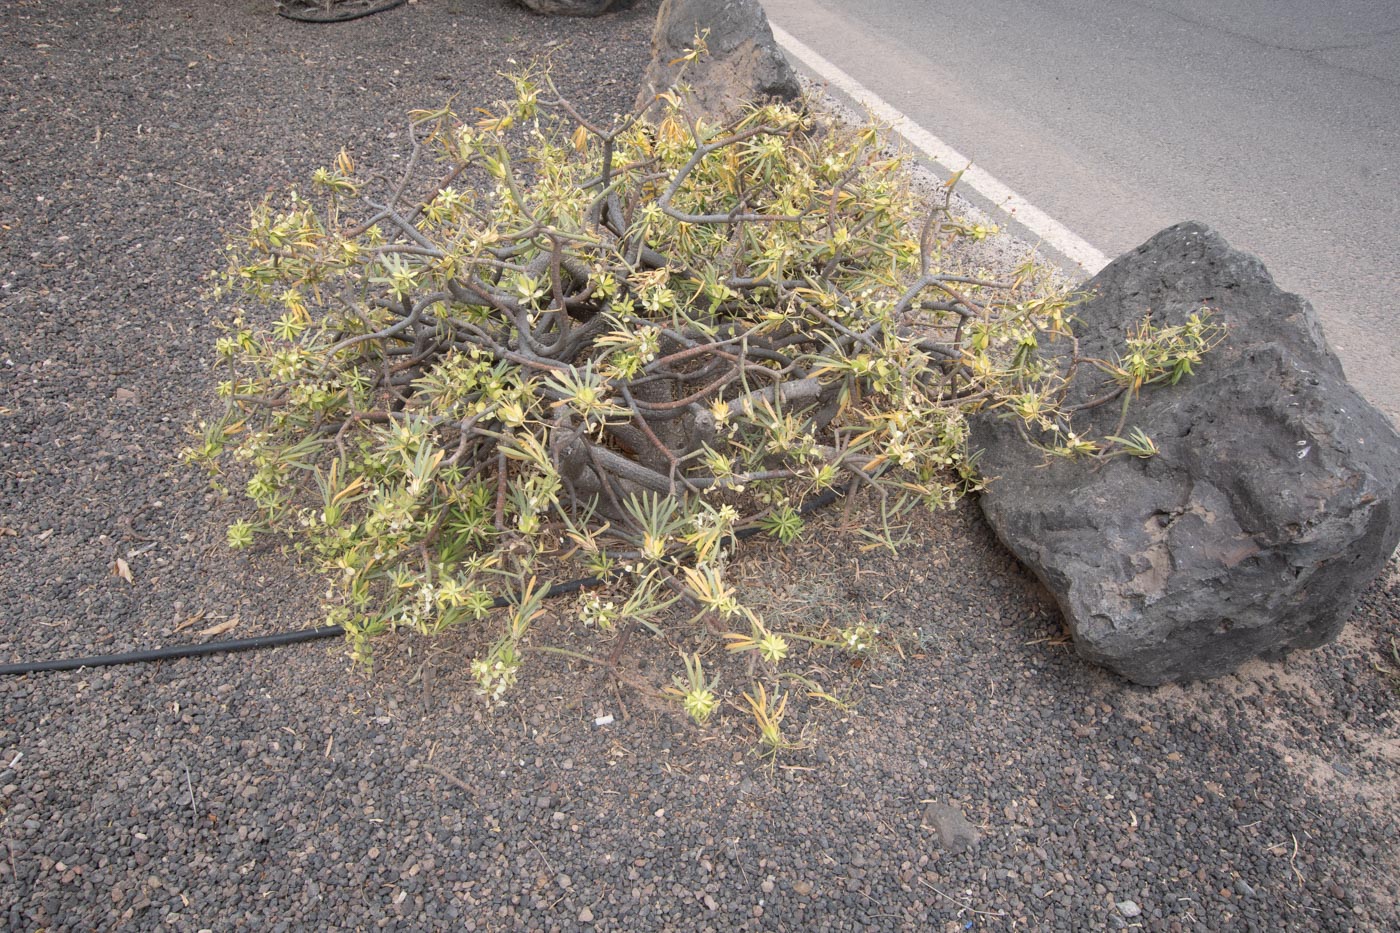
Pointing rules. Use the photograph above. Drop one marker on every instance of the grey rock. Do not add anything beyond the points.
(1274, 501)
(568, 7)
(743, 63)
(955, 833)
(1129, 909)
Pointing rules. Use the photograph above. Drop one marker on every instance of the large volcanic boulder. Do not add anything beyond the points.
(568, 7)
(743, 64)
(1274, 501)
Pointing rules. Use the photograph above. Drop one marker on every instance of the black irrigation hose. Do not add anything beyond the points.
(306, 15)
(175, 651)
(328, 631)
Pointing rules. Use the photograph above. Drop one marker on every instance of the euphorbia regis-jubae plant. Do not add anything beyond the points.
(551, 348)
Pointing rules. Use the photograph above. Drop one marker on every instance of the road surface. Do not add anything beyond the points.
(1275, 121)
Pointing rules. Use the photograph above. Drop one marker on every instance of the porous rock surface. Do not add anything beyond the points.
(1272, 504)
(743, 63)
(568, 7)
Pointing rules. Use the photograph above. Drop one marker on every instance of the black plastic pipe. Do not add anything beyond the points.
(175, 651)
(308, 15)
(328, 631)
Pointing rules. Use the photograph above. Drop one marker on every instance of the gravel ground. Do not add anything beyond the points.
(977, 775)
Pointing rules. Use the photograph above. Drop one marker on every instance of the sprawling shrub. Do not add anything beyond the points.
(549, 349)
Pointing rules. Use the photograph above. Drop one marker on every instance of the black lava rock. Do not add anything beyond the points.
(567, 7)
(743, 64)
(1271, 506)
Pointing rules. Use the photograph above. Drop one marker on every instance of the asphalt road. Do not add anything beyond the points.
(1275, 121)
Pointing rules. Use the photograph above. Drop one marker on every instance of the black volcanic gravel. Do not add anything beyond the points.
(282, 790)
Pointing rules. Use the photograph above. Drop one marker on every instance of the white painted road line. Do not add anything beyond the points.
(1053, 233)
